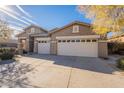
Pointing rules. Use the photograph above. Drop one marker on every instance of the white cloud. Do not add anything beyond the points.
(10, 10)
(15, 27)
(23, 11)
(29, 20)
(19, 15)
(13, 16)
(16, 24)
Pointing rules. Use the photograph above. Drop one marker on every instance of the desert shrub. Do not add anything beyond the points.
(120, 63)
(6, 56)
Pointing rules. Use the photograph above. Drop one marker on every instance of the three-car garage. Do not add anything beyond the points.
(71, 46)
(74, 39)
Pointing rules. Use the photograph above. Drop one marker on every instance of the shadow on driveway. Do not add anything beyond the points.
(11, 73)
(84, 63)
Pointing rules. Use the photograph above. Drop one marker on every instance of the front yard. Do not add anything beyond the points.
(59, 71)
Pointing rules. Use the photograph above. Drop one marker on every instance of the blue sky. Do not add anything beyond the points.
(46, 16)
(53, 16)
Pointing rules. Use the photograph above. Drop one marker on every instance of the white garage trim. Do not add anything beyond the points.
(22, 37)
(77, 37)
(45, 38)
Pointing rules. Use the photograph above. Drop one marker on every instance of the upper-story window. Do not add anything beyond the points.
(32, 30)
(75, 29)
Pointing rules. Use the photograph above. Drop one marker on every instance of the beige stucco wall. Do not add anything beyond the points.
(103, 49)
(53, 47)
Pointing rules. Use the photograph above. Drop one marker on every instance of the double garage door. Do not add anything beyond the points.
(78, 47)
(71, 47)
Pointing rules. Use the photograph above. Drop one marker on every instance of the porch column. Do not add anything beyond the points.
(27, 45)
(20, 50)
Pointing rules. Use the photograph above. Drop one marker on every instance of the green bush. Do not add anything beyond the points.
(120, 63)
(7, 53)
(6, 50)
(6, 56)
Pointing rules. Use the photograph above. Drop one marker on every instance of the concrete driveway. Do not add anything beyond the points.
(62, 72)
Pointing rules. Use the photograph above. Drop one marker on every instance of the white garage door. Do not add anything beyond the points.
(44, 47)
(78, 47)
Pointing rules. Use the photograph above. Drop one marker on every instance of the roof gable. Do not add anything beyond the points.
(25, 30)
(75, 22)
(35, 27)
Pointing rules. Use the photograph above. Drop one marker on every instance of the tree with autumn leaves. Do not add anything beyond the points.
(5, 31)
(105, 18)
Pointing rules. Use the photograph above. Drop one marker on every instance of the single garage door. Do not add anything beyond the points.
(78, 47)
(44, 47)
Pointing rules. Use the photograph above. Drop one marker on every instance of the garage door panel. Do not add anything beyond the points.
(43, 48)
(87, 49)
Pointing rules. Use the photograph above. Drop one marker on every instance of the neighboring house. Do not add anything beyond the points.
(74, 39)
(118, 38)
(11, 43)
